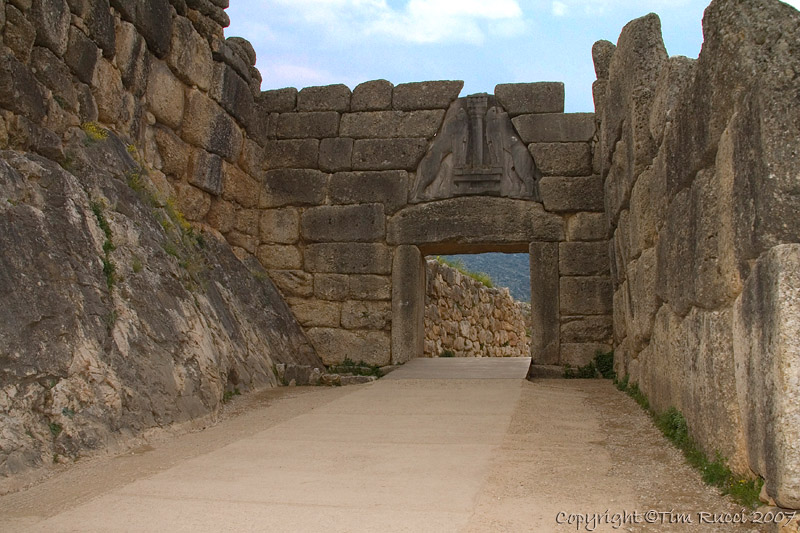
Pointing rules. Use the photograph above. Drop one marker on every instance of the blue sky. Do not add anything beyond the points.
(300, 43)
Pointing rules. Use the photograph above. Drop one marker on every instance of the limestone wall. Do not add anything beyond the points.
(469, 319)
(699, 160)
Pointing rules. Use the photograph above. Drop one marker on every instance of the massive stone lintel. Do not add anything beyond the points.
(477, 152)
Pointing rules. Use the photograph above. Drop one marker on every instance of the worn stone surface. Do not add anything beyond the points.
(293, 282)
(279, 100)
(51, 19)
(316, 313)
(425, 95)
(366, 315)
(208, 126)
(335, 154)
(583, 258)
(562, 194)
(587, 227)
(293, 153)
(598, 329)
(388, 154)
(545, 315)
(19, 90)
(540, 97)
(293, 187)
(107, 366)
(466, 223)
(316, 125)
(556, 127)
(370, 287)
(332, 286)
(408, 304)
(325, 98)
(333, 345)
(165, 95)
(348, 258)
(562, 159)
(387, 124)
(280, 226)
(585, 295)
(274, 256)
(357, 223)
(375, 95)
(389, 188)
(767, 354)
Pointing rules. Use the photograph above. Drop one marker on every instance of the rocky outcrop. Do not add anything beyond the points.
(465, 318)
(699, 160)
(118, 316)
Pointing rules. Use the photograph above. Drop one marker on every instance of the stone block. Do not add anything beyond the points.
(293, 187)
(133, 59)
(564, 194)
(247, 222)
(222, 215)
(408, 304)
(315, 313)
(173, 151)
(280, 257)
(192, 202)
(389, 188)
(545, 316)
(388, 154)
(280, 226)
(239, 187)
(20, 92)
(208, 126)
(562, 159)
(205, 171)
(647, 210)
(366, 314)
(348, 258)
(293, 282)
(540, 97)
(153, 19)
(252, 158)
(587, 227)
(54, 74)
(370, 287)
(472, 224)
(334, 345)
(81, 55)
(426, 95)
(583, 258)
(294, 153)
(585, 295)
(602, 52)
(279, 100)
(356, 223)
(99, 21)
(335, 154)
(373, 95)
(165, 95)
(580, 354)
(391, 124)
(51, 19)
(19, 33)
(767, 357)
(578, 329)
(324, 98)
(316, 125)
(555, 127)
(233, 93)
(114, 104)
(243, 244)
(332, 286)
(644, 301)
(621, 312)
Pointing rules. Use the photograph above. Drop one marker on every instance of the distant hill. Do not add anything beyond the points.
(506, 270)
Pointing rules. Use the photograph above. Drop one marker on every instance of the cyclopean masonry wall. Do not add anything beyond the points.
(700, 160)
(469, 319)
(359, 186)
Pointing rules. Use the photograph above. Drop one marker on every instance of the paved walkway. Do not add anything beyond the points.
(438, 445)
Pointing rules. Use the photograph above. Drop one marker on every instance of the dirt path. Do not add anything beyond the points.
(447, 453)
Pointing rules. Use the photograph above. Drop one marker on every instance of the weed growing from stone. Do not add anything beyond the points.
(69, 413)
(348, 366)
(229, 394)
(94, 132)
(601, 366)
(55, 429)
(481, 277)
(109, 269)
(136, 265)
(716, 473)
(447, 353)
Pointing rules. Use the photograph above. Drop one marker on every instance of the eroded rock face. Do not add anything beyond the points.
(115, 317)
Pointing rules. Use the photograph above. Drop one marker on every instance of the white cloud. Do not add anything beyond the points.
(794, 3)
(417, 21)
(560, 9)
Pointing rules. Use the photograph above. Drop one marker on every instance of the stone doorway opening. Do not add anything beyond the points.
(477, 305)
